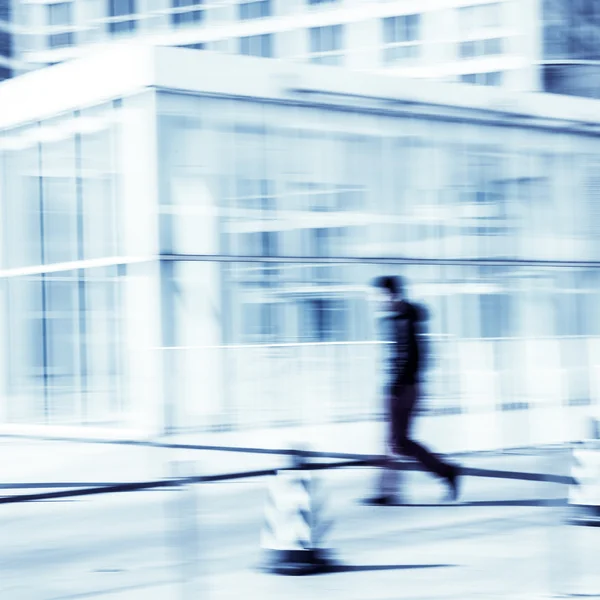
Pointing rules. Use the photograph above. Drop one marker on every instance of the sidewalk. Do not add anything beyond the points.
(516, 564)
(389, 553)
(511, 565)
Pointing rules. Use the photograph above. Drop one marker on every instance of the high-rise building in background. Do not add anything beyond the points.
(6, 40)
(571, 47)
(499, 43)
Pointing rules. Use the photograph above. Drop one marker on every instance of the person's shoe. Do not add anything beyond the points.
(454, 484)
(381, 501)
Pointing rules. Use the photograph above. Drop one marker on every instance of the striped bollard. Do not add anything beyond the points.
(584, 494)
(294, 527)
(582, 531)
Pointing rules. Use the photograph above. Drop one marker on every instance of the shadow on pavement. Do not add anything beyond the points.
(352, 568)
(524, 502)
(534, 502)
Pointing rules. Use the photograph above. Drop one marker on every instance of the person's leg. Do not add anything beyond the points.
(387, 479)
(405, 445)
(429, 460)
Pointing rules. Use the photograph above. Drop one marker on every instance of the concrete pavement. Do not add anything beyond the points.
(125, 545)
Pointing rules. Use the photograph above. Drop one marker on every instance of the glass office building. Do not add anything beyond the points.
(186, 251)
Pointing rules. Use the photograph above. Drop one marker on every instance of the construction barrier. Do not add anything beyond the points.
(295, 526)
(584, 493)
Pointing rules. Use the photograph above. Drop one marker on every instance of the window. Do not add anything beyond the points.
(475, 48)
(400, 36)
(496, 315)
(257, 45)
(492, 46)
(404, 28)
(60, 240)
(118, 9)
(186, 11)
(6, 40)
(484, 189)
(60, 16)
(323, 320)
(326, 44)
(6, 36)
(255, 9)
(494, 78)
(467, 49)
(256, 200)
(261, 322)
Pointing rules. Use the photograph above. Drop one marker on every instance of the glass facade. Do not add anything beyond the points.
(571, 29)
(571, 47)
(6, 39)
(66, 282)
(267, 180)
(222, 251)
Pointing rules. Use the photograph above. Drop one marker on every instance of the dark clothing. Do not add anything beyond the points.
(405, 331)
(402, 407)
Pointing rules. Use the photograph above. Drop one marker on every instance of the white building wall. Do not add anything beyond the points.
(363, 47)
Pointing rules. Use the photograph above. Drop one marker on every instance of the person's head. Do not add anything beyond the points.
(390, 289)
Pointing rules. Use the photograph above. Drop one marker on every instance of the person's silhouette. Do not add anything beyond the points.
(402, 326)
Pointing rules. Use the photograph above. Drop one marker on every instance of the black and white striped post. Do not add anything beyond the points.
(294, 528)
(575, 535)
(584, 494)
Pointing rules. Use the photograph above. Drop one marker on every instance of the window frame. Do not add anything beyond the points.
(332, 53)
(248, 43)
(120, 21)
(58, 37)
(187, 12)
(249, 10)
(402, 38)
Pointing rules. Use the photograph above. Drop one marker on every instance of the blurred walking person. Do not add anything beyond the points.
(402, 326)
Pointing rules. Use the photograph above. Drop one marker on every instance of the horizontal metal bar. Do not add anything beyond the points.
(90, 491)
(39, 270)
(476, 262)
(364, 461)
(240, 449)
(59, 485)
